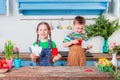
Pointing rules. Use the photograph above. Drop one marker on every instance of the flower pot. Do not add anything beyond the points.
(114, 60)
(17, 62)
(10, 63)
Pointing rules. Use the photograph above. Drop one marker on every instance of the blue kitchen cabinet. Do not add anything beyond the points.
(64, 62)
(28, 63)
(119, 63)
(90, 62)
(31, 63)
(59, 63)
(63, 7)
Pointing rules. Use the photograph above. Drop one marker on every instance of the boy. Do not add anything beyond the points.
(76, 41)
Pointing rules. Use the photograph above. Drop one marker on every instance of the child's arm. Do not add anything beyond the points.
(57, 57)
(34, 57)
(67, 44)
(55, 54)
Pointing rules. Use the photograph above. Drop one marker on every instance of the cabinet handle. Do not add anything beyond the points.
(31, 64)
(62, 64)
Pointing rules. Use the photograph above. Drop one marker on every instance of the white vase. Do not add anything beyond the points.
(114, 59)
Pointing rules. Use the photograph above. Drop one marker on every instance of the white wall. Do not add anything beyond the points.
(23, 32)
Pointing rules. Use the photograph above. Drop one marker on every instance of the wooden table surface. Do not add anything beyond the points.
(95, 56)
(56, 73)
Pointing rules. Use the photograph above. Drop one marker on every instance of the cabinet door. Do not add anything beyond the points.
(64, 62)
(91, 62)
(28, 63)
(60, 63)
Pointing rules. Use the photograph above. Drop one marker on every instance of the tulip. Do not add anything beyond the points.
(112, 45)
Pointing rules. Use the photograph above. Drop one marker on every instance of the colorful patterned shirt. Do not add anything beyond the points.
(80, 36)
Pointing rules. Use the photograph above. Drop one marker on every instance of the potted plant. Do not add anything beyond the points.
(8, 50)
(17, 59)
(104, 28)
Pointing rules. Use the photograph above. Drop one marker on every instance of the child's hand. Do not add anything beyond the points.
(34, 57)
(74, 41)
(57, 57)
(89, 46)
(36, 49)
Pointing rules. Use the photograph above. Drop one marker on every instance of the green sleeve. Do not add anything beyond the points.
(34, 43)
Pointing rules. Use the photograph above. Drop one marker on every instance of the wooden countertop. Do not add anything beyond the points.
(95, 56)
(56, 73)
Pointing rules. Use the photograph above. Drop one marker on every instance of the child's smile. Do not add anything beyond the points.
(43, 31)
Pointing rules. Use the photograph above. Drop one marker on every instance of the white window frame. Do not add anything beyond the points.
(7, 8)
(116, 8)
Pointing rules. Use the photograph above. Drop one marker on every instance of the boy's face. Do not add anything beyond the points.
(78, 28)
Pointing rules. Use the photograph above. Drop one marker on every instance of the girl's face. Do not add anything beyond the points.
(43, 31)
(78, 28)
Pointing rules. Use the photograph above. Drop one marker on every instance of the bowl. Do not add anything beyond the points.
(3, 70)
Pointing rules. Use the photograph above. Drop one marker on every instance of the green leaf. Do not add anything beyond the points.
(8, 49)
(102, 27)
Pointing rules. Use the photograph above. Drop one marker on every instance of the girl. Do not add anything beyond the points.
(76, 42)
(49, 52)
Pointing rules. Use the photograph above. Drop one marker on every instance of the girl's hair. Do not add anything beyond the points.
(79, 19)
(48, 27)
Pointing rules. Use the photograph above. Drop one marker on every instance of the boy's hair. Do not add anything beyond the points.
(79, 19)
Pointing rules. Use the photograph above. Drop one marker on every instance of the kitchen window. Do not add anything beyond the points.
(2, 6)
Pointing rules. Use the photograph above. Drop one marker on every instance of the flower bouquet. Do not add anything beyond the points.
(113, 48)
(104, 65)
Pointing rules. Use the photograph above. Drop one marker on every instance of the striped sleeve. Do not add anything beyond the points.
(86, 38)
(67, 39)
